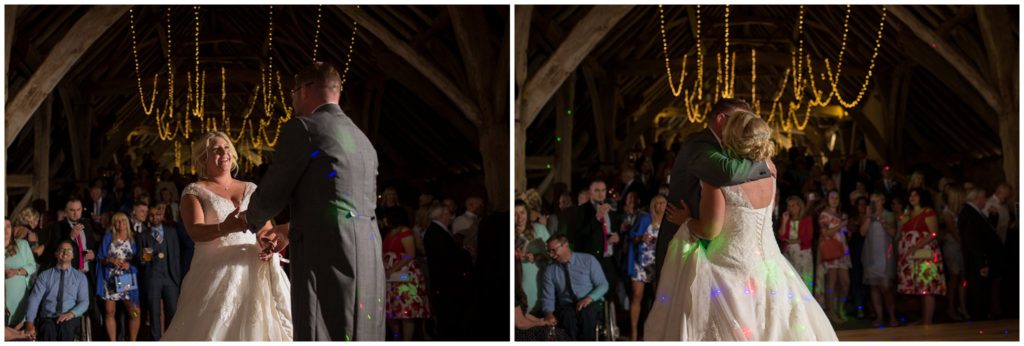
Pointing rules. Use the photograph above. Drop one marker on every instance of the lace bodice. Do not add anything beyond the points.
(215, 207)
(745, 231)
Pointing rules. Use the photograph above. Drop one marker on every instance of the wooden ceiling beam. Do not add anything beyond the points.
(417, 60)
(581, 40)
(63, 56)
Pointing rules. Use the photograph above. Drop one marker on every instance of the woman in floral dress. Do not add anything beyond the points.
(113, 261)
(640, 265)
(832, 223)
(921, 269)
(407, 293)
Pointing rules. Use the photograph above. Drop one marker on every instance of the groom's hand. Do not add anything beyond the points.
(677, 215)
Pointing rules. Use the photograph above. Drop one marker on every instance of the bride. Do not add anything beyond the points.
(235, 291)
(740, 287)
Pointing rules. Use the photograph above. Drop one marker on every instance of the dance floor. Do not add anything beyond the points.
(1001, 330)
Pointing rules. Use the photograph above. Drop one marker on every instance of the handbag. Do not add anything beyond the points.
(125, 282)
(922, 254)
(830, 249)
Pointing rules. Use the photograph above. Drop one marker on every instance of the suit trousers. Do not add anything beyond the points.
(582, 325)
(49, 330)
(156, 291)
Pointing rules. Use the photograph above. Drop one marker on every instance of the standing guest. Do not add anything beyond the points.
(59, 297)
(80, 232)
(160, 272)
(860, 191)
(640, 265)
(888, 185)
(569, 288)
(389, 200)
(140, 212)
(465, 226)
(173, 209)
(921, 270)
(407, 296)
(630, 184)
(878, 229)
(834, 257)
(998, 210)
(19, 265)
(982, 255)
(952, 254)
(449, 267)
(855, 240)
(119, 195)
(167, 183)
(535, 207)
(118, 277)
(26, 226)
(99, 203)
(595, 235)
(796, 233)
(530, 242)
(453, 207)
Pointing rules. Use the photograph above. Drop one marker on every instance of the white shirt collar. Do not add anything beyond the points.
(719, 139)
(442, 226)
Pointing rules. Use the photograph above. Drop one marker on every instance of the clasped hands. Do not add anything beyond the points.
(271, 240)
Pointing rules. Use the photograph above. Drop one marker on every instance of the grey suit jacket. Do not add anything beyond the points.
(326, 169)
(701, 158)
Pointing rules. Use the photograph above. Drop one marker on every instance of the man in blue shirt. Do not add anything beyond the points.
(568, 288)
(59, 297)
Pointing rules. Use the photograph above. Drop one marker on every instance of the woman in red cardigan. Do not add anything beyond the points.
(795, 233)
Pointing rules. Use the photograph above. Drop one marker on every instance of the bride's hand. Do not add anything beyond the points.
(232, 223)
(677, 215)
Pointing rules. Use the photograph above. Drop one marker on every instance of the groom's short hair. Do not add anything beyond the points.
(728, 106)
(319, 73)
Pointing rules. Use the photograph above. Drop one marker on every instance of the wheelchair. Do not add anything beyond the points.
(607, 329)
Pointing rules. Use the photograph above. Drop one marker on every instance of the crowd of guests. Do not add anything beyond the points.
(860, 235)
(109, 263)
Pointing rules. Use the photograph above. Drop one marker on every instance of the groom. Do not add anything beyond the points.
(326, 169)
(701, 158)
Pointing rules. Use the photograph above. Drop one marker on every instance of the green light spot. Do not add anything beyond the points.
(558, 138)
(548, 166)
(568, 112)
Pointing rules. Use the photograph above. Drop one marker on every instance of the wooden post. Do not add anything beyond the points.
(494, 149)
(1002, 53)
(523, 16)
(10, 15)
(41, 158)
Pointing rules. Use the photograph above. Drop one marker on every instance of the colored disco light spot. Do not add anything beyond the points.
(314, 154)
(332, 174)
(663, 298)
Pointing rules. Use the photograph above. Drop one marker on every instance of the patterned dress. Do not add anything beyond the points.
(406, 299)
(122, 250)
(644, 265)
(920, 276)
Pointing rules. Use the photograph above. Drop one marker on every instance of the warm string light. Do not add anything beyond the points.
(783, 114)
(148, 110)
(316, 36)
(348, 60)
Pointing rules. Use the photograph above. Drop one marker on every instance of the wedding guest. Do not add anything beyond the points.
(449, 267)
(983, 257)
(406, 287)
(952, 254)
(529, 327)
(173, 209)
(640, 265)
(26, 224)
(998, 211)
(117, 279)
(569, 289)
(888, 185)
(796, 233)
(878, 229)
(834, 257)
(855, 241)
(920, 267)
(140, 212)
(59, 297)
(160, 270)
(465, 226)
(530, 242)
(99, 203)
(19, 265)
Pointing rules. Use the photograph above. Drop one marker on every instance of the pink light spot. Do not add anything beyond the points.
(934, 45)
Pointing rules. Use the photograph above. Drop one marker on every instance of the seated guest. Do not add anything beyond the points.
(574, 275)
(528, 327)
(59, 297)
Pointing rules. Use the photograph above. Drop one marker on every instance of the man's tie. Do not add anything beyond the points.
(568, 281)
(81, 247)
(158, 235)
(60, 293)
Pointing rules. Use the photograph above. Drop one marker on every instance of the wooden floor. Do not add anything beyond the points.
(1002, 330)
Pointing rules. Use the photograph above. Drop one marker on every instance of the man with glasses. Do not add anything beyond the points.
(59, 296)
(568, 289)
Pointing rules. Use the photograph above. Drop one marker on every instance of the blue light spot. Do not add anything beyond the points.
(315, 153)
(663, 298)
(332, 174)
(772, 292)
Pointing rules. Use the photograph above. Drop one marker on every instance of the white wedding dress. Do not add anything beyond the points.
(740, 288)
(229, 294)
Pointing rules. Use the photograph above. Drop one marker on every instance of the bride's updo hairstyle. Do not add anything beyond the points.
(748, 136)
(201, 150)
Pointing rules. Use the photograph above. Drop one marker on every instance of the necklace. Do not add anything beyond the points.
(218, 184)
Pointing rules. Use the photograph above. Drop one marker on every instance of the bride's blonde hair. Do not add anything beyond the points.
(201, 150)
(748, 136)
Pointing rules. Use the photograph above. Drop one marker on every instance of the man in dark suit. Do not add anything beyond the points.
(631, 184)
(983, 255)
(450, 266)
(79, 231)
(160, 269)
(596, 233)
(325, 170)
(99, 204)
(889, 186)
(701, 158)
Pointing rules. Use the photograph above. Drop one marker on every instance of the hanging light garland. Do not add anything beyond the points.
(782, 114)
